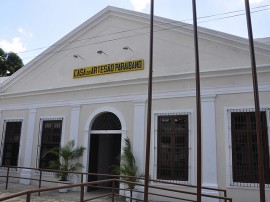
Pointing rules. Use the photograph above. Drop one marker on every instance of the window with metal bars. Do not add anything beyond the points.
(107, 121)
(244, 147)
(50, 138)
(11, 143)
(172, 147)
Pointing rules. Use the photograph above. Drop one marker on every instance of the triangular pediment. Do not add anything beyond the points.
(110, 31)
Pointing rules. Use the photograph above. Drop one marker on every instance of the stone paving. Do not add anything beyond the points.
(52, 196)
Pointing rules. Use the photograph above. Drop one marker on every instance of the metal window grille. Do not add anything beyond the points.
(50, 138)
(244, 147)
(107, 121)
(172, 147)
(11, 142)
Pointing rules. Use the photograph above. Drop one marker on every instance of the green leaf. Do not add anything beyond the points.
(67, 155)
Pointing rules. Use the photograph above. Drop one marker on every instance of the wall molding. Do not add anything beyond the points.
(137, 97)
(213, 73)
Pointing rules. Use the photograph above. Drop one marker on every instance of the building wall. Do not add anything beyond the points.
(223, 103)
(46, 89)
(179, 98)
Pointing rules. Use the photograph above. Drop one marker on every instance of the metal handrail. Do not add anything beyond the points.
(82, 185)
(99, 174)
(32, 191)
(113, 188)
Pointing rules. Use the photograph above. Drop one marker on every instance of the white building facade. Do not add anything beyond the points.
(91, 87)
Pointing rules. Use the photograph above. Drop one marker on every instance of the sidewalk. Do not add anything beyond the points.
(52, 196)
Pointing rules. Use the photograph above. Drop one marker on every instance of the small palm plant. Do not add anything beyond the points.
(66, 159)
(128, 166)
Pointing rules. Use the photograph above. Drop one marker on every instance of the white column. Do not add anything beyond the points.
(85, 157)
(139, 139)
(209, 146)
(74, 134)
(74, 123)
(138, 134)
(28, 147)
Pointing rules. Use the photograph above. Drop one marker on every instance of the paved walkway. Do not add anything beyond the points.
(52, 196)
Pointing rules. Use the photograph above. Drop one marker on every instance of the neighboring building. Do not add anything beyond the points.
(47, 103)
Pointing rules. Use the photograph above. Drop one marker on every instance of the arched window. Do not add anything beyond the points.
(106, 121)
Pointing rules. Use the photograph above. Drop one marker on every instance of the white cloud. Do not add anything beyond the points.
(25, 33)
(15, 45)
(139, 5)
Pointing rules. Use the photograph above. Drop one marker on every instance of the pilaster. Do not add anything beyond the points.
(74, 123)
(209, 146)
(25, 173)
(138, 134)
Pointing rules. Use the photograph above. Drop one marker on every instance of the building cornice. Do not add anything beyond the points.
(137, 81)
(207, 92)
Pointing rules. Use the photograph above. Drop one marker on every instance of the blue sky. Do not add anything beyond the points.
(36, 24)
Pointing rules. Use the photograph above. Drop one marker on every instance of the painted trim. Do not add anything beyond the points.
(191, 167)
(138, 137)
(48, 118)
(137, 97)
(165, 78)
(106, 131)
(209, 142)
(113, 110)
(74, 123)
(228, 146)
(13, 119)
(40, 123)
(87, 132)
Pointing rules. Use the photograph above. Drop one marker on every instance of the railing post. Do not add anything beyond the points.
(28, 197)
(130, 195)
(113, 190)
(39, 183)
(82, 181)
(257, 104)
(149, 104)
(225, 195)
(198, 104)
(7, 177)
(81, 177)
(82, 193)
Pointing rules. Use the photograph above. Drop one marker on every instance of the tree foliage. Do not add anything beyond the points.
(9, 63)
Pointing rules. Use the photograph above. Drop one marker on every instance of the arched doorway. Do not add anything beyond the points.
(105, 145)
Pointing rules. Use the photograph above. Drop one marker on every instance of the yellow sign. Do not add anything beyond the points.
(117, 67)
